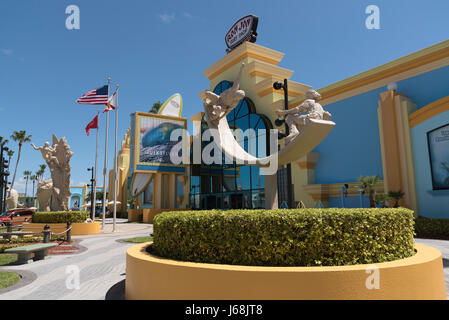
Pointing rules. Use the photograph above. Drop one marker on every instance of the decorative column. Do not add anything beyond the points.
(397, 160)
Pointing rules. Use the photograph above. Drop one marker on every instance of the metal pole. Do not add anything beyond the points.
(289, 166)
(115, 165)
(94, 203)
(2, 175)
(105, 169)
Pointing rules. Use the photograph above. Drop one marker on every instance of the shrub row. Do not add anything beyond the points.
(296, 237)
(60, 216)
(432, 228)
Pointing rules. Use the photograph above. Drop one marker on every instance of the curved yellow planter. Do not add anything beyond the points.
(78, 228)
(151, 277)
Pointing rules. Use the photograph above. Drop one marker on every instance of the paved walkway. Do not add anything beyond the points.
(103, 265)
(443, 246)
(100, 267)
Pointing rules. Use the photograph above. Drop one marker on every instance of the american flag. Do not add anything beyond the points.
(96, 96)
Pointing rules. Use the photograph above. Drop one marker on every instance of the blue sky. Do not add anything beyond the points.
(153, 49)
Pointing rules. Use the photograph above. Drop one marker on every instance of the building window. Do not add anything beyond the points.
(148, 196)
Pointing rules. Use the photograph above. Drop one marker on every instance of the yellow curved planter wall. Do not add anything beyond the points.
(153, 278)
(78, 229)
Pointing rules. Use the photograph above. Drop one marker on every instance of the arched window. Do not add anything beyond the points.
(229, 185)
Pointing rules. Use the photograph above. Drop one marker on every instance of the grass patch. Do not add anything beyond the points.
(8, 279)
(7, 258)
(139, 239)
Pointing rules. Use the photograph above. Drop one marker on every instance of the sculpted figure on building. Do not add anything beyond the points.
(297, 121)
(219, 106)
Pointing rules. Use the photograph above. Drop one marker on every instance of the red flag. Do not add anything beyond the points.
(92, 125)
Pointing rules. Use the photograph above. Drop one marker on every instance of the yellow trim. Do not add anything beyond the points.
(150, 277)
(78, 228)
(246, 50)
(266, 70)
(271, 90)
(428, 59)
(408, 62)
(429, 111)
(326, 191)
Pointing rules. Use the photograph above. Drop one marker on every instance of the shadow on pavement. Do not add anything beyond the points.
(116, 292)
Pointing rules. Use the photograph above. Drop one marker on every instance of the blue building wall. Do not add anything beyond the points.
(426, 88)
(352, 148)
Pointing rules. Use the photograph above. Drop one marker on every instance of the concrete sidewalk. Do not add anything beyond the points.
(100, 267)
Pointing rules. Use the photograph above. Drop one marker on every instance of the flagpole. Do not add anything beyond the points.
(105, 169)
(115, 164)
(94, 189)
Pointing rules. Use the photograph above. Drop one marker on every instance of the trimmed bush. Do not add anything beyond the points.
(432, 228)
(297, 237)
(60, 216)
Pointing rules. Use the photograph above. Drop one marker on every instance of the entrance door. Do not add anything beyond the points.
(211, 202)
(237, 201)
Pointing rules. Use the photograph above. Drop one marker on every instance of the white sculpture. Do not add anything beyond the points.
(12, 201)
(43, 194)
(57, 158)
(219, 106)
(297, 121)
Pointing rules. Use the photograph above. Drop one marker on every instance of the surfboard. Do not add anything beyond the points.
(140, 182)
(172, 107)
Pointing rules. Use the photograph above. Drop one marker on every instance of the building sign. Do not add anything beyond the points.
(243, 30)
(438, 141)
(153, 143)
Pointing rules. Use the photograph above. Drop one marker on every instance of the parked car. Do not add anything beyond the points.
(16, 216)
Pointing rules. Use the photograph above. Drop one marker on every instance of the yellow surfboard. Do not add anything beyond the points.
(172, 107)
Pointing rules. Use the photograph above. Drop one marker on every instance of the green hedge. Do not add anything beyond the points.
(60, 216)
(297, 237)
(432, 228)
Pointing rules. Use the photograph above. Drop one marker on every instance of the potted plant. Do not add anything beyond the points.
(396, 195)
(367, 186)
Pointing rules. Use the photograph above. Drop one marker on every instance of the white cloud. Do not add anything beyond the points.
(167, 18)
(187, 15)
(6, 52)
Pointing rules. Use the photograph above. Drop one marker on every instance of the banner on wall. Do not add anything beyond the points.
(153, 143)
(438, 141)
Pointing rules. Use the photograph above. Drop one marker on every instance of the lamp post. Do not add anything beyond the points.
(277, 86)
(3, 178)
(92, 204)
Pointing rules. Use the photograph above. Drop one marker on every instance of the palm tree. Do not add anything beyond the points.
(396, 195)
(3, 142)
(381, 199)
(34, 179)
(10, 153)
(21, 137)
(368, 185)
(27, 174)
(40, 172)
(156, 106)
